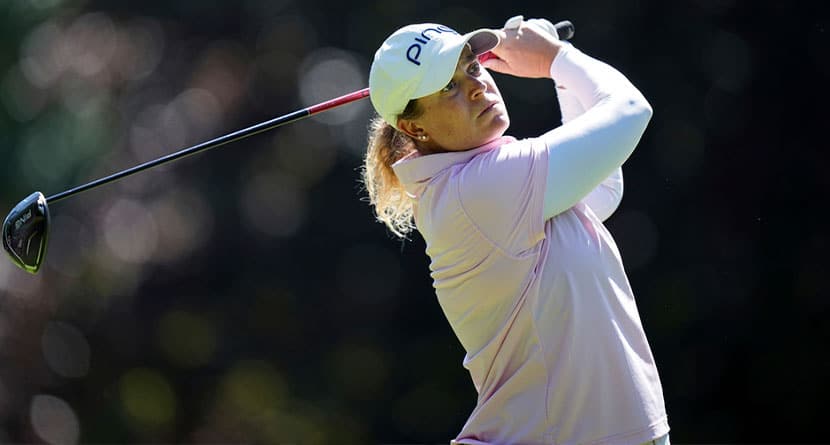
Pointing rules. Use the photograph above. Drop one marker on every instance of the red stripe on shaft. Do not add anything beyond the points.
(336, 102)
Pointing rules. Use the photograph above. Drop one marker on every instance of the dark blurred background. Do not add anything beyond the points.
(246, 295)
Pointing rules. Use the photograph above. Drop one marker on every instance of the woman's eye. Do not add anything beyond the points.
(449, 86)
(475, 68)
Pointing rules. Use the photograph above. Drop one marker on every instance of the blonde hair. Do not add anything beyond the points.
(387, 145)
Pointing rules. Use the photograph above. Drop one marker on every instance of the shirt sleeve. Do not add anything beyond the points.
(502, 193)
(604, 198)
(604, 116)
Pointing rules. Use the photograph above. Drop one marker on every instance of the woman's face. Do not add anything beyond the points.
(465, 114)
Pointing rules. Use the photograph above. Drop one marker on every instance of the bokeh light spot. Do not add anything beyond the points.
(41, 60)
(54, 421)
(221, 70)
(147, 398)
(328, 73)
(253, 387)
(92, 42)
(141, 46)
(200, 109)
(157, 130)
(185, 221)
(130, 231)
(65, 349)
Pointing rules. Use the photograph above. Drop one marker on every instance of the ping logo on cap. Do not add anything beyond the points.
(414, 50)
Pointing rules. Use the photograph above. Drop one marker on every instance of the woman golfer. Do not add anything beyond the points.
(524, 270)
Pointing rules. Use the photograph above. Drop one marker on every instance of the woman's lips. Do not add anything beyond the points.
(488, 108)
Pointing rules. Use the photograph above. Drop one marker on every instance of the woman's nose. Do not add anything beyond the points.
(477, 87)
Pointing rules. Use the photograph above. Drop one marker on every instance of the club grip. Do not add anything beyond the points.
(565, 30)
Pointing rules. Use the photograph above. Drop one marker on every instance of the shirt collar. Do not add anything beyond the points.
(414, 170)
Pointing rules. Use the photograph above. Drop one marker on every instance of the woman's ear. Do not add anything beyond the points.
(411, 128)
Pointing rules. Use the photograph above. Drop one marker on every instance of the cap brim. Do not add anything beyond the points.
(482, 40)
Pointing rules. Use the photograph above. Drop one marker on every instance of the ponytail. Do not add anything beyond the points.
(387, 145)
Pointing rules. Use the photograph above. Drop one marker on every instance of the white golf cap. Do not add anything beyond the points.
(416, 61)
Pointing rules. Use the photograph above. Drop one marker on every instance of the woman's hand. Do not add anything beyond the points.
(526, 51)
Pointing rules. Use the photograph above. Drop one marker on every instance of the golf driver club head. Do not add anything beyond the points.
(26, 231)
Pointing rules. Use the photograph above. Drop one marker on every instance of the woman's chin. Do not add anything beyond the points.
(499, 124)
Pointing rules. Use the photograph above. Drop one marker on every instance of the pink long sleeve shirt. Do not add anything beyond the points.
(531, 281)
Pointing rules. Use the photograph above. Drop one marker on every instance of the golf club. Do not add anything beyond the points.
(26, 228)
